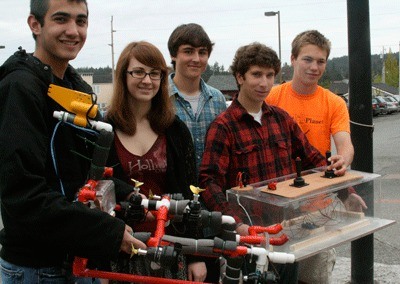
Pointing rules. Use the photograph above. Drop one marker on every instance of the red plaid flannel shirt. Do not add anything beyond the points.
(235, 143)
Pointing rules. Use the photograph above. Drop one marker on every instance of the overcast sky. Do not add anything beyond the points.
(229, 23)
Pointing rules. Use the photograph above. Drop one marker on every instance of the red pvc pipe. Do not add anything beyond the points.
(162, 218)
(79, 269)
(240, 250)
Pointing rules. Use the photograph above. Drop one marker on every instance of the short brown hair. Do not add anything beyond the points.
(192, 34)
(39, 9)
(313, 37)
(161, 114)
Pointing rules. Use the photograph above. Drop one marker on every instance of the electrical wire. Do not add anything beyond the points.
(53, 156)
(94, 102)
(244, 209)
(52, 148)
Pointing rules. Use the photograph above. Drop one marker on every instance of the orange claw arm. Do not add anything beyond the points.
(275, 241)
(274, 229)
(252, 239)
(278, 241)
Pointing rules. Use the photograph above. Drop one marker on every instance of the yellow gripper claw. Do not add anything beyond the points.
(196, 189)
(137, 183)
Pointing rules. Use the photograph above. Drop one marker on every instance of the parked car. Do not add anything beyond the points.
(397, 97)
(391, 106)
(376, 110)
(394, 101)
(382, 105)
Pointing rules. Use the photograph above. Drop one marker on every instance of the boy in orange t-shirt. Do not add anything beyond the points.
(320, 114)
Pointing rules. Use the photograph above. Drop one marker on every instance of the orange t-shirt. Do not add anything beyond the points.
(320, 114)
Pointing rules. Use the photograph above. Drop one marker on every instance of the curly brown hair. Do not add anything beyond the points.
(254, 54)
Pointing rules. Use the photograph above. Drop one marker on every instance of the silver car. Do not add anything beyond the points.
(393, 105)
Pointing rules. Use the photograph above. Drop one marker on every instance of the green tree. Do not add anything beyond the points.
(215, 69)
(287, 72)
(208, 73)
(391, 70)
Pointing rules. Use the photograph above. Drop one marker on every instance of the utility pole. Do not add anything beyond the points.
(383, 66)
(399, 67)
(112, 50)
(358, 25)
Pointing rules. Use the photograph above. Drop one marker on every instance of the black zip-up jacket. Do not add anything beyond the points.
(41, 225)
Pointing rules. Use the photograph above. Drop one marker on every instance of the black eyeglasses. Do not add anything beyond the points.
(141, 74)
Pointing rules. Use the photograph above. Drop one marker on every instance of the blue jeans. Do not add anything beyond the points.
(15, 274)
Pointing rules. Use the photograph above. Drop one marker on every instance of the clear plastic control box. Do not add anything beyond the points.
(314, 216)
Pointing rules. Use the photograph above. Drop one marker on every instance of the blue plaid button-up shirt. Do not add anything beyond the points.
(211, 104)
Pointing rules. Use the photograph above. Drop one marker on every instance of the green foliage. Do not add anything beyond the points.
(391, 70)
(377, 79)
(216, 69)
(102, 75)
(287, 72)
(95, 71)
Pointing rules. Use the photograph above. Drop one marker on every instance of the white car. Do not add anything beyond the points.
(397, 97)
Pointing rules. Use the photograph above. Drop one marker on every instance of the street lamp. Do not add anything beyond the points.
(271, 14)
(2, 47)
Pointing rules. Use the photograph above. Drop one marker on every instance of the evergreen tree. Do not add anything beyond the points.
(215, 69)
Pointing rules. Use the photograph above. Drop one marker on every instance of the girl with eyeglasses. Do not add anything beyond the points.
(152, 145)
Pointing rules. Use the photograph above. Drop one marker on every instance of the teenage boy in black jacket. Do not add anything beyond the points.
(42, 224)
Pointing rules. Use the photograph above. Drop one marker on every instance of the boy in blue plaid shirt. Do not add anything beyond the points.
(196, 103)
